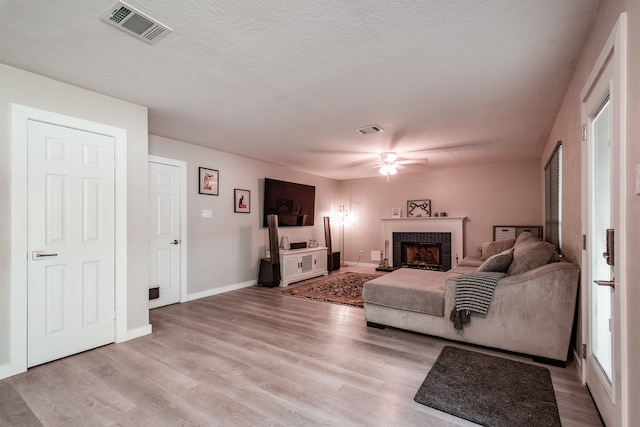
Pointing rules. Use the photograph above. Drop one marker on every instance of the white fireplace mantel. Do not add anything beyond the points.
(453, 225)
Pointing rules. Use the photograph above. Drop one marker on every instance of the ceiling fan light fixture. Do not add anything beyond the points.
(389, 157)
(388, 170)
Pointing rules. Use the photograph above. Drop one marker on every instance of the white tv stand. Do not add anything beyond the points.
(301, 264)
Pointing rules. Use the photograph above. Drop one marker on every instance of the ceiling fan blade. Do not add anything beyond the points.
(412, 162)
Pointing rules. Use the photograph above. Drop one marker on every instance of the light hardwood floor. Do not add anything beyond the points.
(253, 357)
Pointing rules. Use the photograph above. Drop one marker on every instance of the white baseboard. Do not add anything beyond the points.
(578, 361)
(216, 291)
(10, 369)
(138, 332)
(361, 264)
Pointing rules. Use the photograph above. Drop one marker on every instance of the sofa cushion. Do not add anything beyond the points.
(529, 253)
(470, 261)
(408, 289)
(491, 248)
(498, 262)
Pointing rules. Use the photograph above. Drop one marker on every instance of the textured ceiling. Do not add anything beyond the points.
(452, 81)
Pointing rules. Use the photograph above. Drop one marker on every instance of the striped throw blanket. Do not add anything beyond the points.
(474, 292)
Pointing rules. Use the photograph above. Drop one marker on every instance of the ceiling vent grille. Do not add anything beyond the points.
(135, 22)
(370, 129)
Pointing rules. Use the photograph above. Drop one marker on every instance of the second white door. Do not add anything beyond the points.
(164, 232)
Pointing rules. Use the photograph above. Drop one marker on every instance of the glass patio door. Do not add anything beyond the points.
(603, 279)
(601, 273)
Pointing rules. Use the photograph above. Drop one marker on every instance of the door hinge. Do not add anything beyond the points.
(584, 351)
(584, 132)
(584, 242)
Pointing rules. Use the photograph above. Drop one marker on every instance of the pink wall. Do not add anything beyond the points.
(568, 128)
(488, 195)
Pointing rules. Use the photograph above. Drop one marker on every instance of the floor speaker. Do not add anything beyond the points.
(269, 271)
(327, 234)
(274, 245)
(333, 261)
(269, 274)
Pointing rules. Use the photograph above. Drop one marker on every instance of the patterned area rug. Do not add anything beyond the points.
(489, 390)
(345, 289)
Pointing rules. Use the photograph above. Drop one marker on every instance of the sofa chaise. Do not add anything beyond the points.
(531, 310)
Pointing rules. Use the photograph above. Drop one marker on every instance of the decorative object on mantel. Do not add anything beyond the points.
(242, 200)
(419, 208)
(396, 212)
(208, 181)
(345, 289)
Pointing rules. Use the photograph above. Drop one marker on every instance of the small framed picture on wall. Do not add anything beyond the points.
(395, 212)
(242, 201)
(209, 181)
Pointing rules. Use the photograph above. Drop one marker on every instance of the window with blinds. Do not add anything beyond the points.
(553, 198)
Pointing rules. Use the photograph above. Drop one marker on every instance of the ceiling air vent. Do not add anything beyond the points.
(135, 22)
(370, 129)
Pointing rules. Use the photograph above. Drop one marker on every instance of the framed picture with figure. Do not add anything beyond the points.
(242, 200)
(419, 208)
(208, 181)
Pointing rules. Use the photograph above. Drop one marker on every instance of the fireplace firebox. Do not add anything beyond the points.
(430, 250)
(421, 255)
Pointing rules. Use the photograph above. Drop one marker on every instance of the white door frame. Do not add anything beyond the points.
(182, 165)
(20, 115)
(614, 50)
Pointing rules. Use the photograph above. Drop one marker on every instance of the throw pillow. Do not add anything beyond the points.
(498, 262)
(529, 254)
(492, 248)
(525, 235)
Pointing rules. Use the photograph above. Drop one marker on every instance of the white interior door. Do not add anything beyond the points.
(70, 241)
(164, 232)
(603, 282)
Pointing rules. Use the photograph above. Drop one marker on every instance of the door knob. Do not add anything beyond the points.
(610, 283)
(175, 242)
(35, 255)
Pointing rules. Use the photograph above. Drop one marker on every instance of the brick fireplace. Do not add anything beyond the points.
(429, 243)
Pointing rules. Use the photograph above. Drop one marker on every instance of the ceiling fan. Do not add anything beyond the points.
(389, 163)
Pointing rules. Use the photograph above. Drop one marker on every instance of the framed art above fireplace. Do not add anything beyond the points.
(419, 208)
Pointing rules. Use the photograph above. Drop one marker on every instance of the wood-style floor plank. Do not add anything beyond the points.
(253, 357)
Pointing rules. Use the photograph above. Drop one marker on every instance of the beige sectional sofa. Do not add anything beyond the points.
(531, 311)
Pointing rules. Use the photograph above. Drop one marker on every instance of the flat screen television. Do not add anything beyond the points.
(293, 203)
